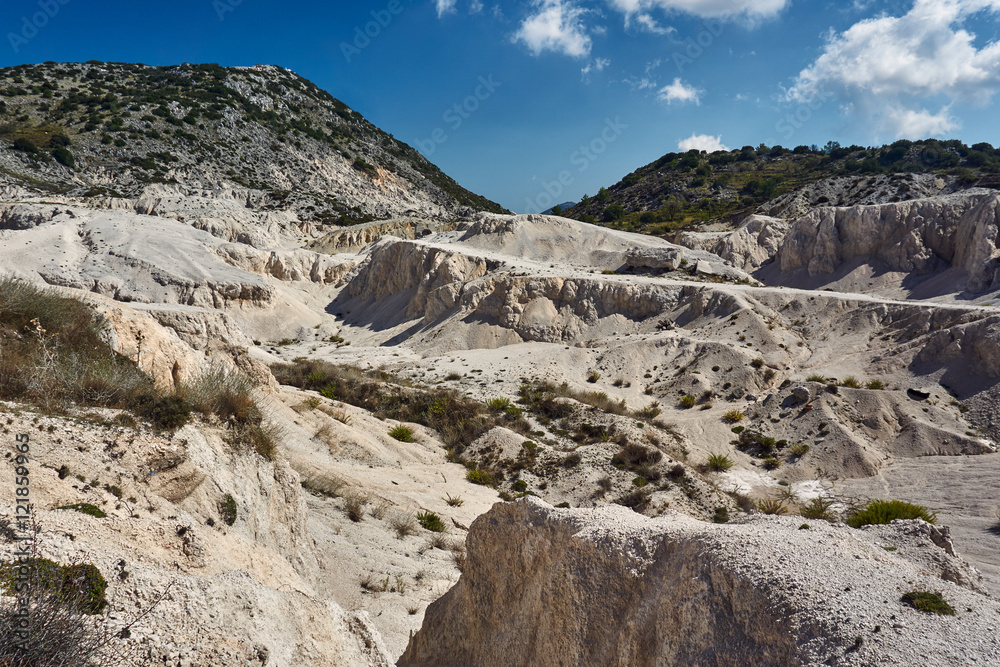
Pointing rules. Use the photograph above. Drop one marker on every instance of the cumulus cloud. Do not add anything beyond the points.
(889, 67)
(680, 93)
(747, 9)
(557, 26)
(475, 7)
(702, 142)
(444, 7)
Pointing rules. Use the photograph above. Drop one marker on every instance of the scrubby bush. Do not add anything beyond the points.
(887, 511)
(733, 416)
(818, 508)
(227, 509)
(481, 477)
(52, 352)
(64, 157)
(850, 382)
(719, 462)
(931, 603)
(458, 420)
(402, 433)
(85, 508)
(431, 522)
(875, 384)
(769, 506)
(688, 401)
(498, 404)
(636, 458)
(355, 508)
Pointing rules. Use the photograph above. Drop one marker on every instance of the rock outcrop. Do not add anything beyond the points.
(919, 237)
(609, 587)
(751, 245)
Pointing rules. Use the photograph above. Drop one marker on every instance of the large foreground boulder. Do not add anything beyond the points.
(544, 586)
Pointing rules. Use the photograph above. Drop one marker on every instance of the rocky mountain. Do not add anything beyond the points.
(680, 189)
(111, 134)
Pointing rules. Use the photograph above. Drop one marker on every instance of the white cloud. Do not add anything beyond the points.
(702, 142)
(475, 7)
(598, 65)
(649, 24)
(920, 122)
(556, 26)
(680, 93)
(444, 7)
(888, 67)
(747, 9)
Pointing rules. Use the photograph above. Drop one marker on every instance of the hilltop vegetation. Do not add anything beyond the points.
(111, 129)
(684, 188)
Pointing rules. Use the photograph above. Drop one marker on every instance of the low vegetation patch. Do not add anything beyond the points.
(887, 511)
(931, 603)
(85, 508)
(719, 462)
(733, 416)
(402, 433)
(431, 522)
(227, 509)
(457, 419)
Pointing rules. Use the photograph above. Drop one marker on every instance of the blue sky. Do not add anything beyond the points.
(556, 98)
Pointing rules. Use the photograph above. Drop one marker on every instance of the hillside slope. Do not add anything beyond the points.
(107, 131)
(680, 189)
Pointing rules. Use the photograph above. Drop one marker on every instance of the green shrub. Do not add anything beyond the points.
(719, 462)
(402, 433)
(721, 514)
(733, 416)
(498, 404)
(816, 378)
(227, 509)
(25, 145)
(480, 477)
(887, 511)
(851, 382)
(688, 401)
(520, 486)
(818, 508)
(738, 429)
(771, 463)
(85, 508)
(931, 603)
(593, 376)
(799, 449)
(454, 501)
(58, 355)
(64, 157)
(875, 384)
(164, 412)
(768, 506)
(81, 585)
(431, 522)
(757, 363)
